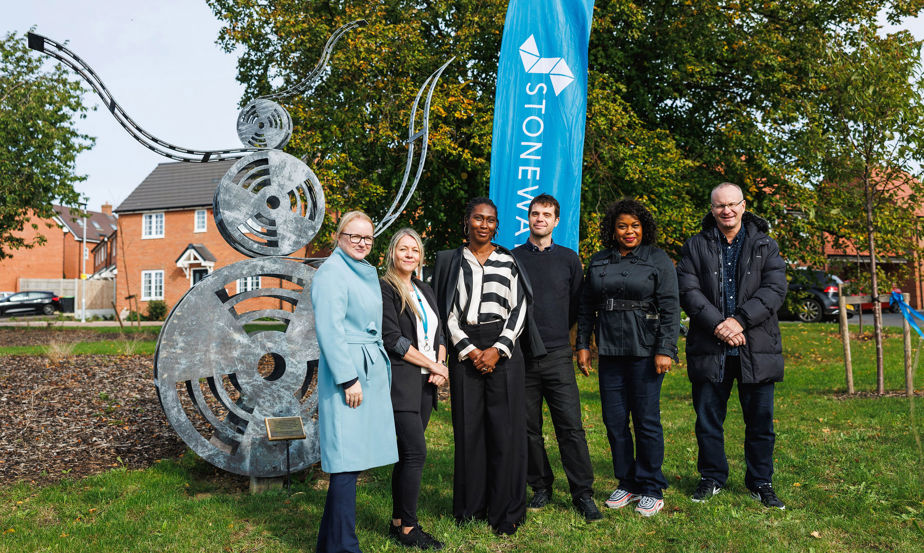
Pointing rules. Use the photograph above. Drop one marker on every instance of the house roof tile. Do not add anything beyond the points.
(176, 185)
(100, 224)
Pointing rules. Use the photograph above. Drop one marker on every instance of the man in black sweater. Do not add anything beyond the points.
(555, 274)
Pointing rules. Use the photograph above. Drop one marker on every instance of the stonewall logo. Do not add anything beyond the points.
(556, 68)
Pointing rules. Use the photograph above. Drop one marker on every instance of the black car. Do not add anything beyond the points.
(24, 303)
(813, 295)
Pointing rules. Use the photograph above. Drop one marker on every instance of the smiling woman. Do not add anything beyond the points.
(629, 302)
(482, 300)
(355, 420)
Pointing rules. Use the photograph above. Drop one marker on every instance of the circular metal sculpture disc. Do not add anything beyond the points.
(264, 124)
(269, 203)
(217, 380)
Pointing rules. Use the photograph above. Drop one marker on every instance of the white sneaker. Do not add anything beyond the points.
(649, 506)
(620, 498)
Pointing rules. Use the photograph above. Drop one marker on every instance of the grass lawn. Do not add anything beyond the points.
(849, 470)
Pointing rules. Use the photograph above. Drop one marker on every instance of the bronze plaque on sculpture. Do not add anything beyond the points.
(284, 428)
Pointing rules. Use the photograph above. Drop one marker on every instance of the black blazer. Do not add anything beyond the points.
(446, 279)
(399, 332)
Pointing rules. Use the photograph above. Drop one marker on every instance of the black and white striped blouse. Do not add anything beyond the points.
(487, 293)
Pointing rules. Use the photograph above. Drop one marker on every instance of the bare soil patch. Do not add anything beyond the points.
(45, 336)
(79, 416)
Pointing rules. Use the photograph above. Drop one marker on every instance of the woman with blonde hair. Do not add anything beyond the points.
(354, 408)
(414, 339)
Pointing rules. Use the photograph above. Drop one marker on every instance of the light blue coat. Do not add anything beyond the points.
(347, 301)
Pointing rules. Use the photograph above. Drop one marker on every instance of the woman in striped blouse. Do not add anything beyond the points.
(482, 298)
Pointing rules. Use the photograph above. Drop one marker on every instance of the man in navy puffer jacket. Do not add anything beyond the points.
(732, 283)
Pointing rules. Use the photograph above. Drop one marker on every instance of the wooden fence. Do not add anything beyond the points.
(100, 293)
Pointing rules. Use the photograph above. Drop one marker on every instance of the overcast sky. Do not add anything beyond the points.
(160, 62)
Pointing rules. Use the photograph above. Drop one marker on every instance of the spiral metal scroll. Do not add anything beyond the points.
(402, 198)
(58, 51)
(306, 86)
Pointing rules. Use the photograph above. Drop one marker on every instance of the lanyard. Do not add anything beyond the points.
(425, 321)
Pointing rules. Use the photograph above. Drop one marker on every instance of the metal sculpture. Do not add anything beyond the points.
(207, 367)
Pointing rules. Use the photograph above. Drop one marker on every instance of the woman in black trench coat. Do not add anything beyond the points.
(629, 302)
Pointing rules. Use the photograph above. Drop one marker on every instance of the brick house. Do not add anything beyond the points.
(167, 239)
(59, 256)
(852, 262)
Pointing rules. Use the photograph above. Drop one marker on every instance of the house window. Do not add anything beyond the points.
(200, 221)
(247, 284)
(152, 285)
(152, 225)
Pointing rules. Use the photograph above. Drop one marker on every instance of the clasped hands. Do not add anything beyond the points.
(731, 332)
(484, 359)
(439, 374)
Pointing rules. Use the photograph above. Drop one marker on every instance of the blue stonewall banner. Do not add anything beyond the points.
(539, 114)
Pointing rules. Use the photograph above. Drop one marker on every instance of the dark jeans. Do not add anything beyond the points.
(710, 401)
(337, 533)
(551, 377)
(630, 385)
(412, 453)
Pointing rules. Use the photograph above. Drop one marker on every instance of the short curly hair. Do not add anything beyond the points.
(627, 207)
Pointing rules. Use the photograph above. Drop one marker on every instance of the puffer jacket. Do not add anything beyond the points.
(761, 291)
(645, 276)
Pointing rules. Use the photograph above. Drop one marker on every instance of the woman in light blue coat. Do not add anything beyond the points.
(355, 418)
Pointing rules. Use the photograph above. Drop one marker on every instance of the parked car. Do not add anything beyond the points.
(815, 294)
(5, 294)
(24, 303)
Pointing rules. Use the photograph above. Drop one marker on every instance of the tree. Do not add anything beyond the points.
(682, 96)
(39, 141)
(352, 126)
(867, 126)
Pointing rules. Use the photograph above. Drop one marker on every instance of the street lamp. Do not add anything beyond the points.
(83, 268)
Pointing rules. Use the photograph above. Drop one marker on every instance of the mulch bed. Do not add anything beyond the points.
(43, 336)
(79, 416)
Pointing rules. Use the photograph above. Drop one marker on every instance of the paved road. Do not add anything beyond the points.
(888, 319)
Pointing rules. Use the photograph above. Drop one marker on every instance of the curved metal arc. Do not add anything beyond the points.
(396, 209)
(61, 53)
(308, 82)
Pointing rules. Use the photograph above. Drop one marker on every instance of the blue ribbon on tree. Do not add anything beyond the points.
(907, 311)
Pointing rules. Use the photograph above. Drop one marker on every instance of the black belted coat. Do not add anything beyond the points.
(630, 303)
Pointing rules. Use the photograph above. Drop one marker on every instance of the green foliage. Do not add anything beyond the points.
(682, 96)
(847, 468)
(39, 142)
(157, 310)
(867, 128)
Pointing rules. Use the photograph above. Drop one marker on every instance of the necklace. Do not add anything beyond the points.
(425, 319)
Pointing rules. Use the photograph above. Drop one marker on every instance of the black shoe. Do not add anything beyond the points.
(588, 509)
(540, 499)
(505, 529)
(419, 539)
(765, 494)
(705, 490)
(393, 530)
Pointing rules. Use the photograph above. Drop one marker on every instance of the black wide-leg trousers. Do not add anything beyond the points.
(489, 427)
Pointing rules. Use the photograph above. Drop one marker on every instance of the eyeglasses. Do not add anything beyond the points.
(357, 238)
(729, 205)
